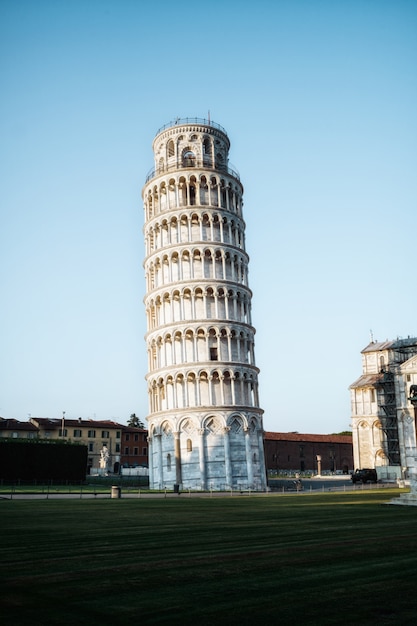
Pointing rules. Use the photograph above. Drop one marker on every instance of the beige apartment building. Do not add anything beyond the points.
(102, 438)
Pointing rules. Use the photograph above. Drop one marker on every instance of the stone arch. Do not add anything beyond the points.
(167, 428)
(192, 191)
(185, 265)
(204, 384)
(197, 261)
(216, 397)
(213, 424)
(381, 458)
(170, 390)
(188, 348)
(203, 190)
(207, 263)
(213, 345)
(214, 191)
(218, 264)
(176, 304)
(206, 227)
(207, 151)
(195, 226)
(236, 423)
(182, 191)
(172, 192)
(199, 303)
(210, 312)
(170, 149)
(188, 157)
(227, 387)
(187, 303)
(187, 425)
(180, 386)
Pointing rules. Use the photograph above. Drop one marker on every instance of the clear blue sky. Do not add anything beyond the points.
(319, 99)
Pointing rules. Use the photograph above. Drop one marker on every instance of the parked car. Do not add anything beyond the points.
(364, 476)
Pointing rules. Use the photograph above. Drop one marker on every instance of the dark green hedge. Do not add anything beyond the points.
(28, 460)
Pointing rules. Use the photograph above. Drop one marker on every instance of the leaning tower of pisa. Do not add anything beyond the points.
(204, 421)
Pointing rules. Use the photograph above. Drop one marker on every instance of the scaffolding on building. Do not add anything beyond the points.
(388, 416)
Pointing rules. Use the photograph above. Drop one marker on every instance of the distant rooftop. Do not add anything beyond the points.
(308, 438)
(395, 344)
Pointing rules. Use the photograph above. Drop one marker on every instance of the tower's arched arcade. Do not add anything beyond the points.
(204, 421)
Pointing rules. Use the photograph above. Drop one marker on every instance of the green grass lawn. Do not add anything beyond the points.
(322, 559)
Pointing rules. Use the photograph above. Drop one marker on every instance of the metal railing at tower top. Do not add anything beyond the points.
(190, 120)
(156, 171)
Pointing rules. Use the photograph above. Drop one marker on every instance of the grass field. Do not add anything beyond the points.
(320, 559)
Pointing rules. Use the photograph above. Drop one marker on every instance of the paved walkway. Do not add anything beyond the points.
(130, 494)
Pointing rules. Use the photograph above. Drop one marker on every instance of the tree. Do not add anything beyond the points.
(135, 421)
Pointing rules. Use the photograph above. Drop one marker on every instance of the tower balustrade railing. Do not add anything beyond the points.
(190, 120)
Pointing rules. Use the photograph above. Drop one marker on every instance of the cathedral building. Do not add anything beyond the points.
(383, 404)
(204, 422)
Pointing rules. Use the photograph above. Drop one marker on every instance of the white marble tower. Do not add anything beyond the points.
(204, 422)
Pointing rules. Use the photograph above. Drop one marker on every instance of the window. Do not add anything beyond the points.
(168, 462)
(117, 434)
(63, 432)
(91, 447)
(189, 445)
(145, 451)
(136, 451)
(213, 354)
(188, 158)
(372, 395)
(127, 437)
(91, 434)
(14, 435)
(136, 437)
(126, 450)
(301, 451)
(77, 432)
(117, 447)
(105, 434)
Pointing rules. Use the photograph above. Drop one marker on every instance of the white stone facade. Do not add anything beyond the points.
(383, 421)
(205, 422)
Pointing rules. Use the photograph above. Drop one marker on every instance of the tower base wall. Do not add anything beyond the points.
(212, 451)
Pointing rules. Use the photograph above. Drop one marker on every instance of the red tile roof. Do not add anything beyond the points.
(45, 422)
(12, 424)
(308, 438)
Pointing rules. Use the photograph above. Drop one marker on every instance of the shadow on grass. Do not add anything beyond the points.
(319, 559)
